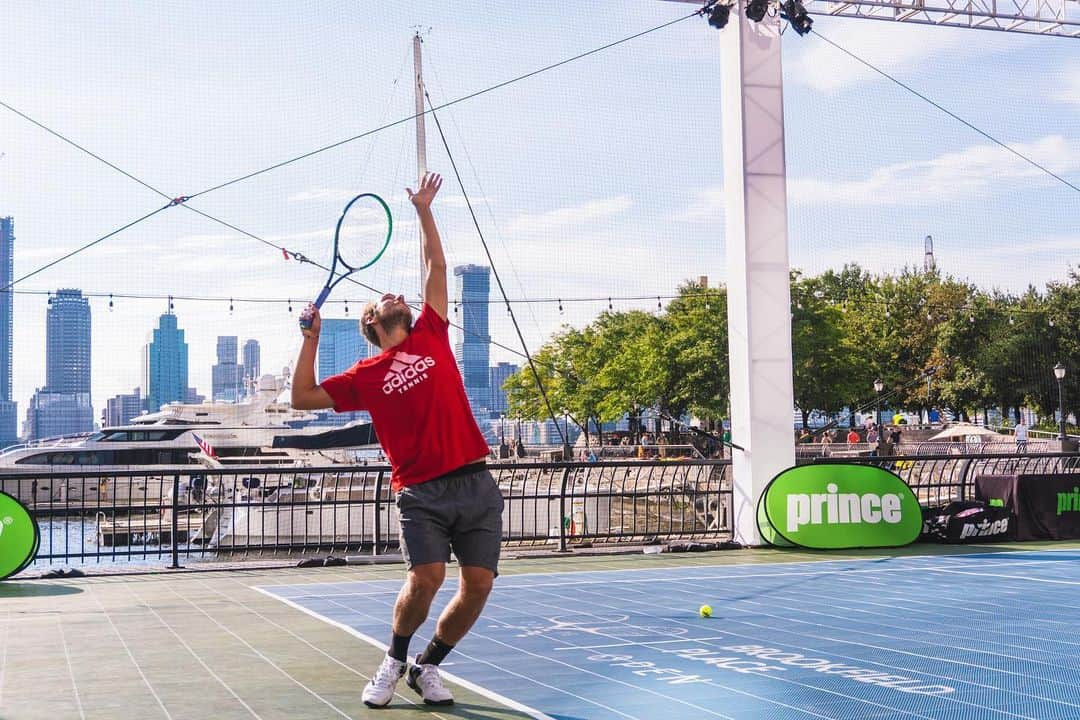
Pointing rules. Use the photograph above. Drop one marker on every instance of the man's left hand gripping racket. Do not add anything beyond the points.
(358, 242)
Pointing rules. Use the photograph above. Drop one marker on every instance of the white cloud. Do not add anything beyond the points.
(343, 195)
(707, 207)
(567, 218)
(1069, 93)
(888, 45)
(972, 172)
(323, 194)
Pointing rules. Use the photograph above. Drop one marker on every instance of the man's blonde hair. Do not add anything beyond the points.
(366, 326)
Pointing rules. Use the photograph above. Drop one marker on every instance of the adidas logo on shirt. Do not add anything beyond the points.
(406, 371)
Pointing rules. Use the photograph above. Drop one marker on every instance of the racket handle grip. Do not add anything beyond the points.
(305, 322)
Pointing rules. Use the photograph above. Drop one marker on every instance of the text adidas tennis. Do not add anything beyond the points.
(406, 371)
(836, 508)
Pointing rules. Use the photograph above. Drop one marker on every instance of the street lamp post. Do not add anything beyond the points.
(878, 387)
(1059, 373)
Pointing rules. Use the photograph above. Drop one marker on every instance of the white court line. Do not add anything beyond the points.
(264, 658)
(772, 629)
(192, 651)
(937, 617)
(736, 690)
(127, 649)
(512, 704)
(846, 627)
(666, 571)
(631, 643)
(302, 639)
(3, 653)
(508, 580)
(1024, 578)
(71, 670)
(652, 606)
(553, 688)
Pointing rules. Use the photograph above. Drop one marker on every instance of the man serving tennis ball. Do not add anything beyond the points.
(445, 496)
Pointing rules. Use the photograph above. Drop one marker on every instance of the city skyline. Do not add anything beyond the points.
(600, 178)
(63, 405)
(9, 417)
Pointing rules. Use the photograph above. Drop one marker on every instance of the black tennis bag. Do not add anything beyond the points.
(968, 521)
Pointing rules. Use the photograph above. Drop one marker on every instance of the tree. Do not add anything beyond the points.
(827, 368)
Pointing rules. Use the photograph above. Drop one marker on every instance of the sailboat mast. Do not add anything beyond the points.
(421, 135)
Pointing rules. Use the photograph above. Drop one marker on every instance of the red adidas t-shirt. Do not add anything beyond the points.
(417, 403)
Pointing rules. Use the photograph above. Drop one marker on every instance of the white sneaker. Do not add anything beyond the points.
(380, 689)
(425, 680)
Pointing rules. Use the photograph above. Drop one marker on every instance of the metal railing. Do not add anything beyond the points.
(197, 513)
(940, 479)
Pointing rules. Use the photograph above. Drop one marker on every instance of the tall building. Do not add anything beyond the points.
(121, 409)
(8, 408)
(67, 342)
(227, 376)
(165, 364)
(63, 406)
(252, 364)
(498, 375)
(58, 413)
(341, 345)
(473, 350)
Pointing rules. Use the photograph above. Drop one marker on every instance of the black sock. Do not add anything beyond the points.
(399, 647)
(434, 653)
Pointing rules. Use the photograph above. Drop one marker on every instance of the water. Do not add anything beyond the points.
(75, 541)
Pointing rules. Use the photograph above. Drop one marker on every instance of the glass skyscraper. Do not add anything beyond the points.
(67, 342)
(63, 406)
(252, 364)
(8, 409)
(499, 374)
(165, 365)
(227, 376)
(341, 345)
(473, 350)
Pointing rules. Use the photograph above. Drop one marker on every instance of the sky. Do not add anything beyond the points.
(601, 178)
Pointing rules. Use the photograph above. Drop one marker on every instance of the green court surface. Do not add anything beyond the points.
(209, 645)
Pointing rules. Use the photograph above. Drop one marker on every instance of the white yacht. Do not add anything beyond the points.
(261, 430)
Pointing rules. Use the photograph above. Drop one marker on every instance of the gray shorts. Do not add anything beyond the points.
(461, 510)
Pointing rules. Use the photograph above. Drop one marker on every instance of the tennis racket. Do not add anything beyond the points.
(358, 242)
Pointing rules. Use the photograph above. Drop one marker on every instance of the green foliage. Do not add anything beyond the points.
(990, 349)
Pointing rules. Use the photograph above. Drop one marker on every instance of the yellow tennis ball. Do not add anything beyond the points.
(705, 611)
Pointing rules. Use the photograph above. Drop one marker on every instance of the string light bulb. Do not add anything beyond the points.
(110, 302)
(290, 305)
(560, 306)
(346, 307)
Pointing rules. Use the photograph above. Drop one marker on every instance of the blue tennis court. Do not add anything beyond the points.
(989, 635)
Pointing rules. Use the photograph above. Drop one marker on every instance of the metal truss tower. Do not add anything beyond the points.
(755, 201)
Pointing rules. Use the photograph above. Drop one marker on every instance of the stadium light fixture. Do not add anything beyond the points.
(795, 13)
(756, 9)
(718, 14)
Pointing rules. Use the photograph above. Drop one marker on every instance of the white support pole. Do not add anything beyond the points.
(758, 285)
(421, 134)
